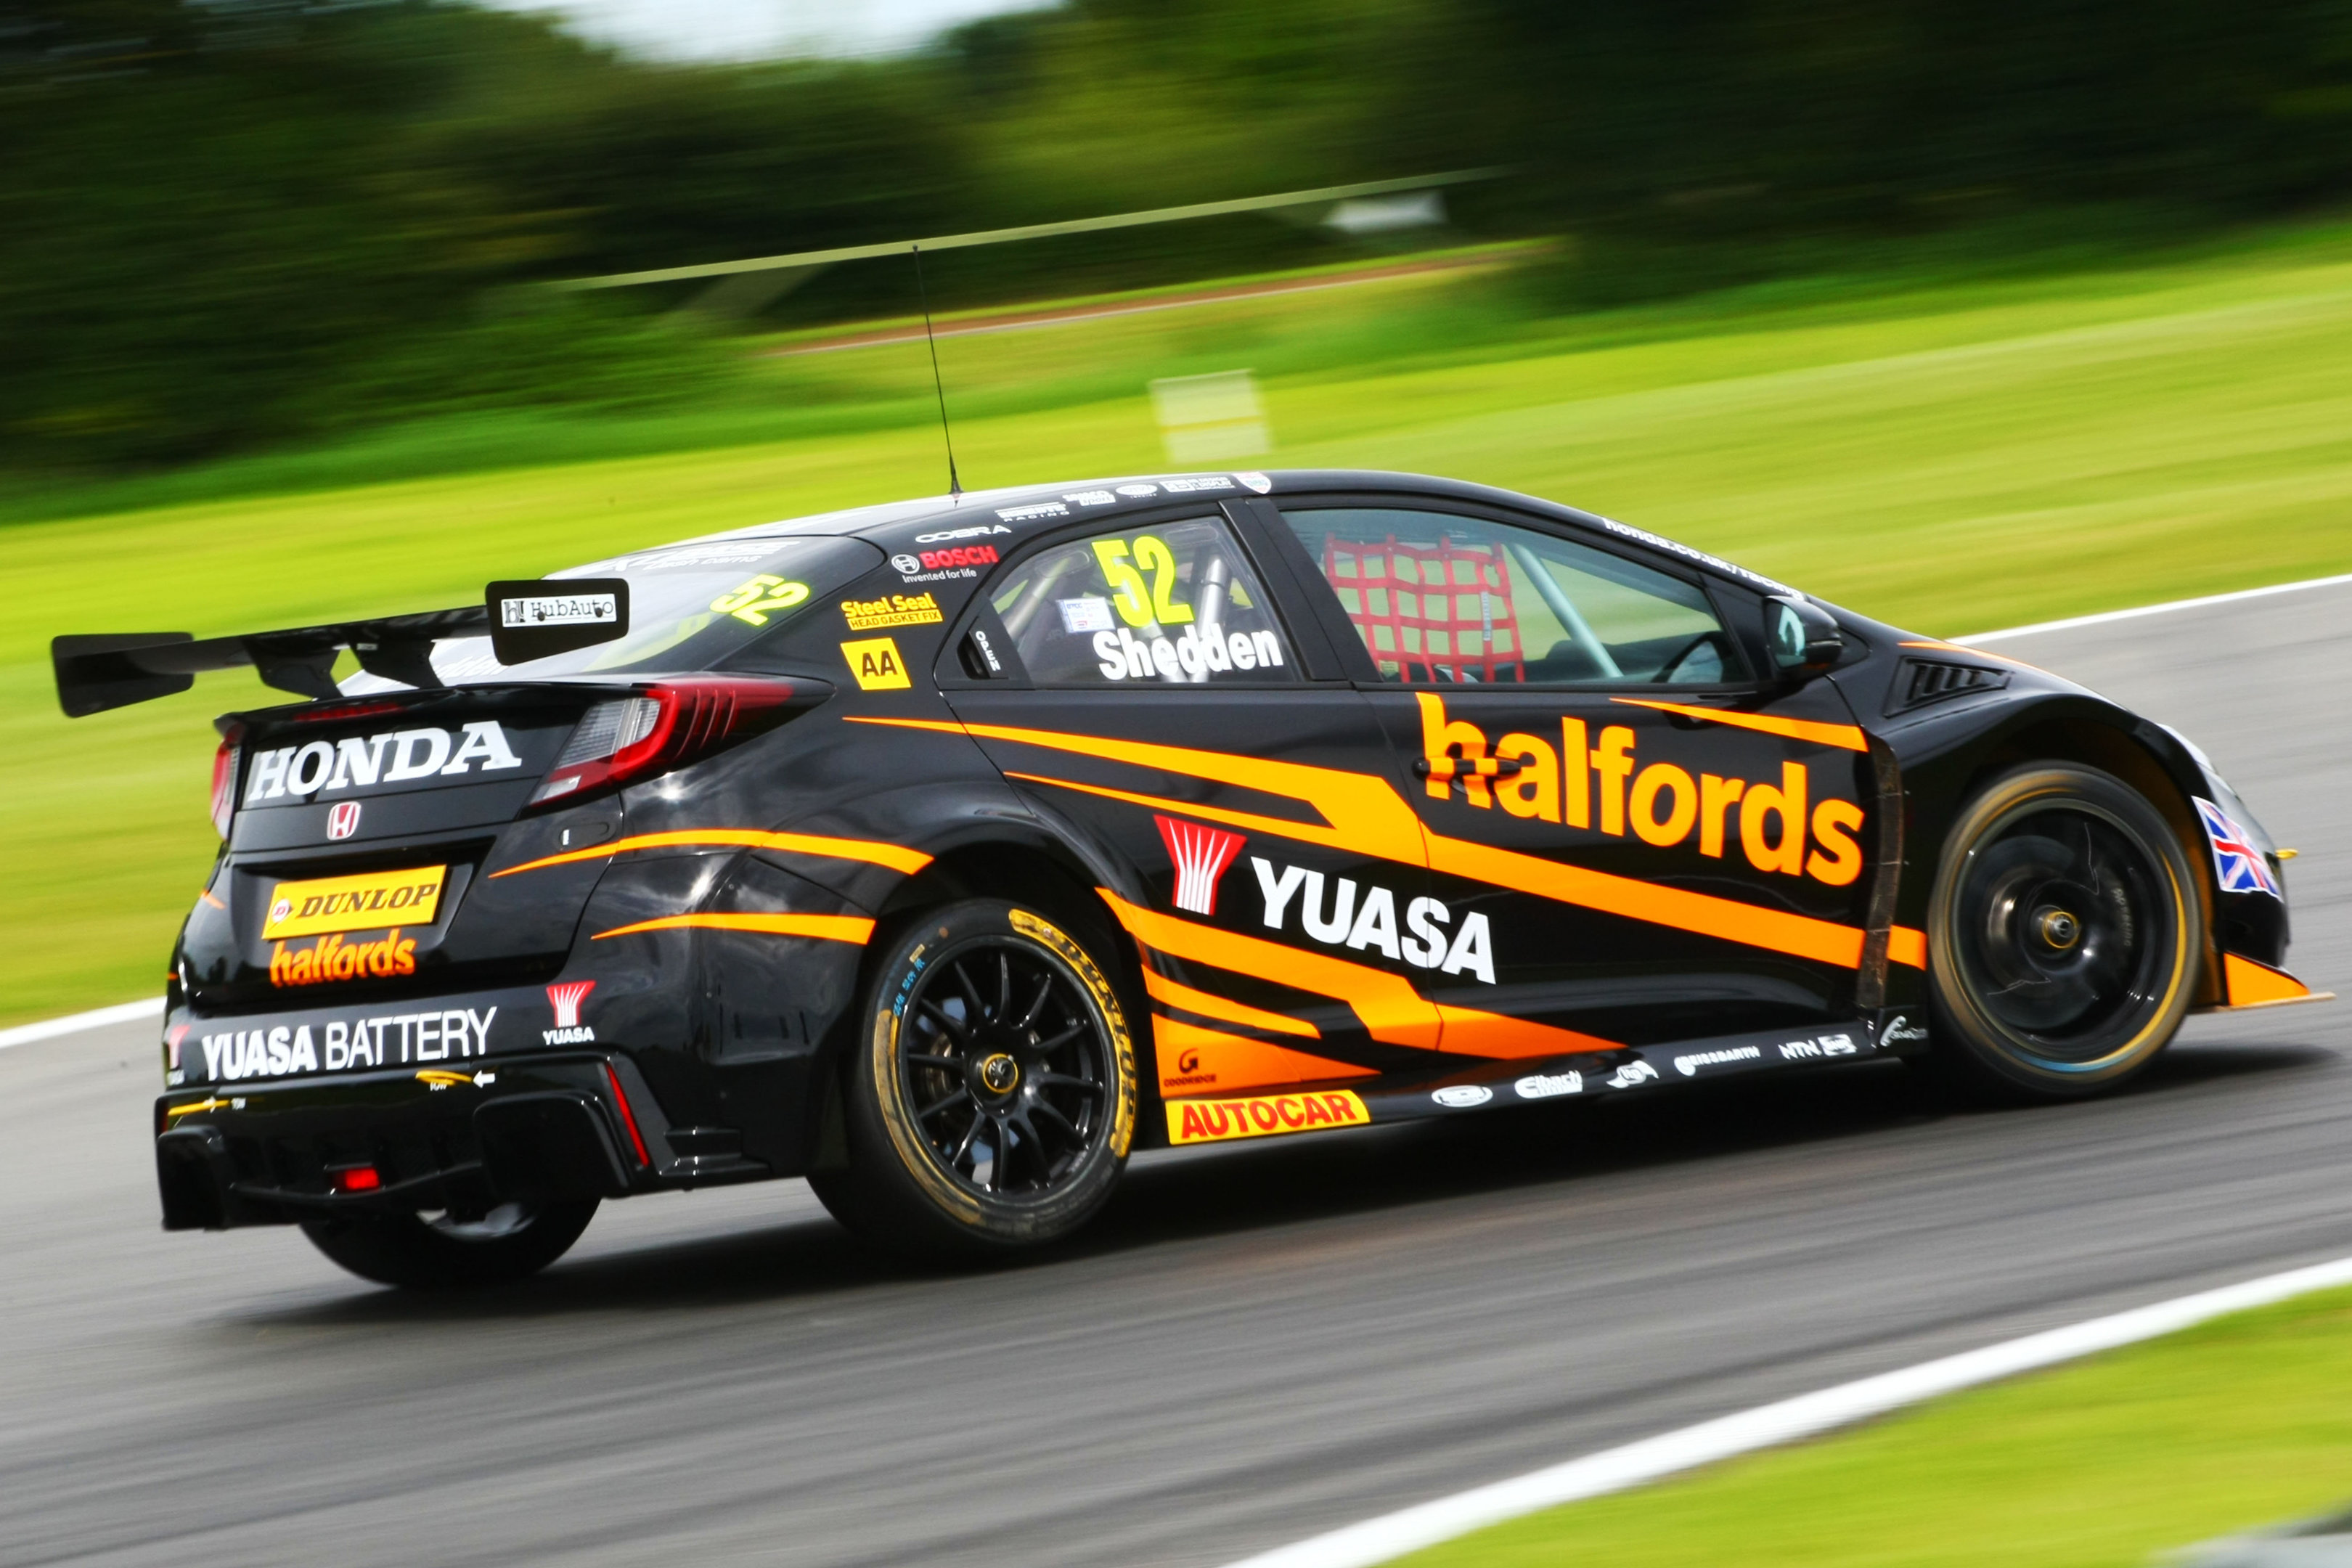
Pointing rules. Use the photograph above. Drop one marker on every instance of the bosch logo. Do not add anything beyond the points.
(961, 555)
(907, 564)
(343, 820)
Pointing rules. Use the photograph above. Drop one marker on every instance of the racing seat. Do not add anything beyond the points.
(1439, 613)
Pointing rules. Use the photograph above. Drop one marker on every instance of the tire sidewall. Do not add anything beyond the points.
(906, 1197)
(404, 1250)
(1967, 1037)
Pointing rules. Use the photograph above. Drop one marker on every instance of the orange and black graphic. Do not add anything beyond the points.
(1363, 814)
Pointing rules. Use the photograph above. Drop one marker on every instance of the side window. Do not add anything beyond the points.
(1439, 598)
(1168, 604)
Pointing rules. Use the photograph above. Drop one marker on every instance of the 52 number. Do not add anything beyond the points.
(750, 601)
(1140, 605)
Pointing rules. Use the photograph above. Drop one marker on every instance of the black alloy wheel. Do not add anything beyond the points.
(994, 1101)
(2064, 934)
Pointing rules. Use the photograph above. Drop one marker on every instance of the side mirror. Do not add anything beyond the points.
(1804, 637)
(533, 620)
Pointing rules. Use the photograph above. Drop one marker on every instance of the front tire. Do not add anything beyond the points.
(512, 1241)
(991, 1102)
(2063, 936)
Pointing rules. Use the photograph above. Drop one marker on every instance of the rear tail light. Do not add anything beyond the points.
(225, 761)
(355, 1178)
(628, 738)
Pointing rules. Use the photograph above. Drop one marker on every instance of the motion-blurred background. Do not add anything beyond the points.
(1966, 314)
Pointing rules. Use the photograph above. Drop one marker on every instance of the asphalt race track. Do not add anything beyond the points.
(1258, 1344)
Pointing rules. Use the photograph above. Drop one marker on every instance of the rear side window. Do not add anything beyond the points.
(1169, 605)
(1443, 599)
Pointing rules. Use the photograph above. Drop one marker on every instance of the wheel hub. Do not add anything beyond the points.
(998, 1073)
(2058, 929)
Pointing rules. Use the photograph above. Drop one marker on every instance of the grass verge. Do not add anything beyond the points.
(1949, 458)
(2238, 1423)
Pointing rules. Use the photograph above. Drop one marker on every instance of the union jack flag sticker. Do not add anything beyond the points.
(2238, 865)
(1202, 855)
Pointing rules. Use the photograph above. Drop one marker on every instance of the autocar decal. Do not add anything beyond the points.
(1194, 1059)
(896, 856)
(1262, 1116)
(1814, 731)
(1364, 815)
(825, 928)
(1209, 1004)
(1387, 1007)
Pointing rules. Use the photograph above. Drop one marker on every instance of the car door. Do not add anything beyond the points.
(1660, 844)
(1149, 700)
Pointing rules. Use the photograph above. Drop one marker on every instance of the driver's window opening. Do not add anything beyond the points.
(1443, 599)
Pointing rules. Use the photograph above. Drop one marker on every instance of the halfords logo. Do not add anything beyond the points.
(1214, 1120)
(1193, 655)
(1423, 940)
(331, 958)
(1662, 804)
(380, 1041)
(1201, 856)
(392, 756)
(566, 999)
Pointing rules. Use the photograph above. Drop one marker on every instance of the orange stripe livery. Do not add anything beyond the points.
(894, 857)
(1811, 731)
(825, 928)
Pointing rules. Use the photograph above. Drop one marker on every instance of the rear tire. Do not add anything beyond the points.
(989, 1102)
(2064, 937)
(513, 1242)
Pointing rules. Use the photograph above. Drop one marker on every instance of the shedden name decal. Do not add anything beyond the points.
(1262, 1116)
(373, 901)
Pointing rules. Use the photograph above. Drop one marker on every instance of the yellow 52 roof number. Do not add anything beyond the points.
(751, 602)
(1139, 604)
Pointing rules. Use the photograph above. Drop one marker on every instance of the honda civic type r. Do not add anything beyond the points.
(947, 852)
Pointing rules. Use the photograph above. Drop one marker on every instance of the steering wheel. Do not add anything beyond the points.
(1667, 670)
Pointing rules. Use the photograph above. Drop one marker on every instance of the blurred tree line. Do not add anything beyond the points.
(226, 224)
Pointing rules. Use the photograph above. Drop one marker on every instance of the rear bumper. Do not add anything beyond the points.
(548, 1127)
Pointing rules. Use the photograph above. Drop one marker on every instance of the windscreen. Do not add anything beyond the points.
(691, 606)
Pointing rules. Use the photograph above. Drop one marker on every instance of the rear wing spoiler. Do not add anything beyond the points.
(523, 620)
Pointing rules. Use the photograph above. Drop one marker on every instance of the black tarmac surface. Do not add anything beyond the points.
(1255, 1344)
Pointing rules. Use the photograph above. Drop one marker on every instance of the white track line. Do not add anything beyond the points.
(50, 1028)
(2105, 615)
(1393, 1535)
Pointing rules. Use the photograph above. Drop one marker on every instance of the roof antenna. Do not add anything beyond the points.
(955, 486)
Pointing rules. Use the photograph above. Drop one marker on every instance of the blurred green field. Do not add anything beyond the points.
(2236, 1424)
(1951, 458)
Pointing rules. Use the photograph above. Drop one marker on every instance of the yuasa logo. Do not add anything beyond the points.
(566, 999)
(1201, 856)
(343, 820)
(1372, 925)
(390, 756)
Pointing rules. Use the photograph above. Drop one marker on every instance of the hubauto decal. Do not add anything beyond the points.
(378, 1040)
(1263, 1116)
(390, 756)
(1598, 784)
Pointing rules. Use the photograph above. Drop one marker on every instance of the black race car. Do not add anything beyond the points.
(946, 852)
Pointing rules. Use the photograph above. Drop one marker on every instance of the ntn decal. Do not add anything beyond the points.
(1599, 784)
(390, 756)
(1417, 933)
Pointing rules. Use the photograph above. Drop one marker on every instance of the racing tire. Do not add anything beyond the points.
(513, 1242)
(2065, 937)
(989, 1102)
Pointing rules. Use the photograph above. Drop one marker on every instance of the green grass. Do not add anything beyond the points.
(2242, 1423)
(1950, 455)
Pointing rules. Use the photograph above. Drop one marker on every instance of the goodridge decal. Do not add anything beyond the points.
(1660, 803)
(368, 902)
(1214, 1120)
(1191, 1058)
(896, 856)
(1386, 1004)
(1365, 816)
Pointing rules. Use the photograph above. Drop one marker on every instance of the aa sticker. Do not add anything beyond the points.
(876, 665)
